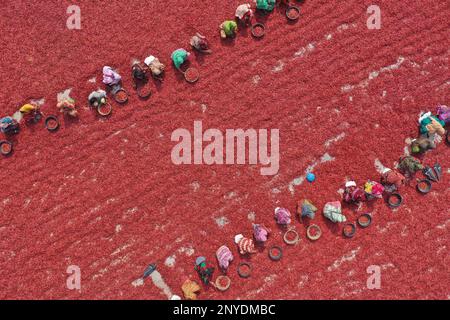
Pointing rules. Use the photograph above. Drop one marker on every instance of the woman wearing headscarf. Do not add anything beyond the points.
(228, 29)
(9, 125)
(179, 57)
(266, 5)
(155, 66)
(244, 13)
(199, 43)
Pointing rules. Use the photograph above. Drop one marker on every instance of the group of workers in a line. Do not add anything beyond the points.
(244, 14)
(30, 112)
(432, 126)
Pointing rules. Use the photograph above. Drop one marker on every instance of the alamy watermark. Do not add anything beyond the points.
(374, 19)
(74, 20)
(374, 280)
(73, 281)
(220, 148)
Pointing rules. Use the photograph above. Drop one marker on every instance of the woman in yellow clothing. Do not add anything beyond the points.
(30, 112)
(28, 108)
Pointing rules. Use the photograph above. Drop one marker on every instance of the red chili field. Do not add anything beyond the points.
(103, 193)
